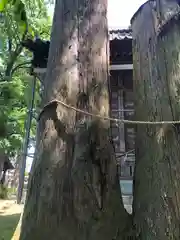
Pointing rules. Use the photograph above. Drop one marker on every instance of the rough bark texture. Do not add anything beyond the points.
(156, 48)
(73, 189)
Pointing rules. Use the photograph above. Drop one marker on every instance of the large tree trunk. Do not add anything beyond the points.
(73, 189)
(156, 49)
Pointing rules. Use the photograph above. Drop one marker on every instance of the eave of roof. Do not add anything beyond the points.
(120, 34)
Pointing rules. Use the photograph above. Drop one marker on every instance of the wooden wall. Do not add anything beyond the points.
(122, 107)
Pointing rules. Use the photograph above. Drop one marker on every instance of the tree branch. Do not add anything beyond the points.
(10, 46)
(14, 56)
(21, 65)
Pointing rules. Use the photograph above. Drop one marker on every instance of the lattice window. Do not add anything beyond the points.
(122, 107)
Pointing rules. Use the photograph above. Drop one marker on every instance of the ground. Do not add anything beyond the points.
(9, 216)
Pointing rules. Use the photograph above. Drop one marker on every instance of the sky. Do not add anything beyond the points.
(121, 11)
(119, 16)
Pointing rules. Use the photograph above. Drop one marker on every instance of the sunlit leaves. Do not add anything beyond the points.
(26, 14)
(18, 10)
(20, 14)
(3, 4)
(15, 91)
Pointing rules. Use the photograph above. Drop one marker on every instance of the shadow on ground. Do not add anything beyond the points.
(8, 225)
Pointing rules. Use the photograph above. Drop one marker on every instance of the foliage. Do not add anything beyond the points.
(3, 192)
(18, 20)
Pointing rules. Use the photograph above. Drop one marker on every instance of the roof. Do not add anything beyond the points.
(120, 46)
(120, 34)
(6, 161)
(3, 157)
(8, 164)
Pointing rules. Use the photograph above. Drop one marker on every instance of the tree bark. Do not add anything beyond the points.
(73, 189)
(156, 48)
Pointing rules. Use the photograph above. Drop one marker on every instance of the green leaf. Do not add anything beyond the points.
(3, 4)
(31, 31)
(22, 26)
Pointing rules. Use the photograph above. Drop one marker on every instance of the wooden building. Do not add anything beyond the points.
(122, 104)
(5, 164)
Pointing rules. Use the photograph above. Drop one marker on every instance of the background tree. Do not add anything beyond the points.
(17, 21)
(74, 189)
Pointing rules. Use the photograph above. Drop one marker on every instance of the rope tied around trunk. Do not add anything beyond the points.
(120, 121)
